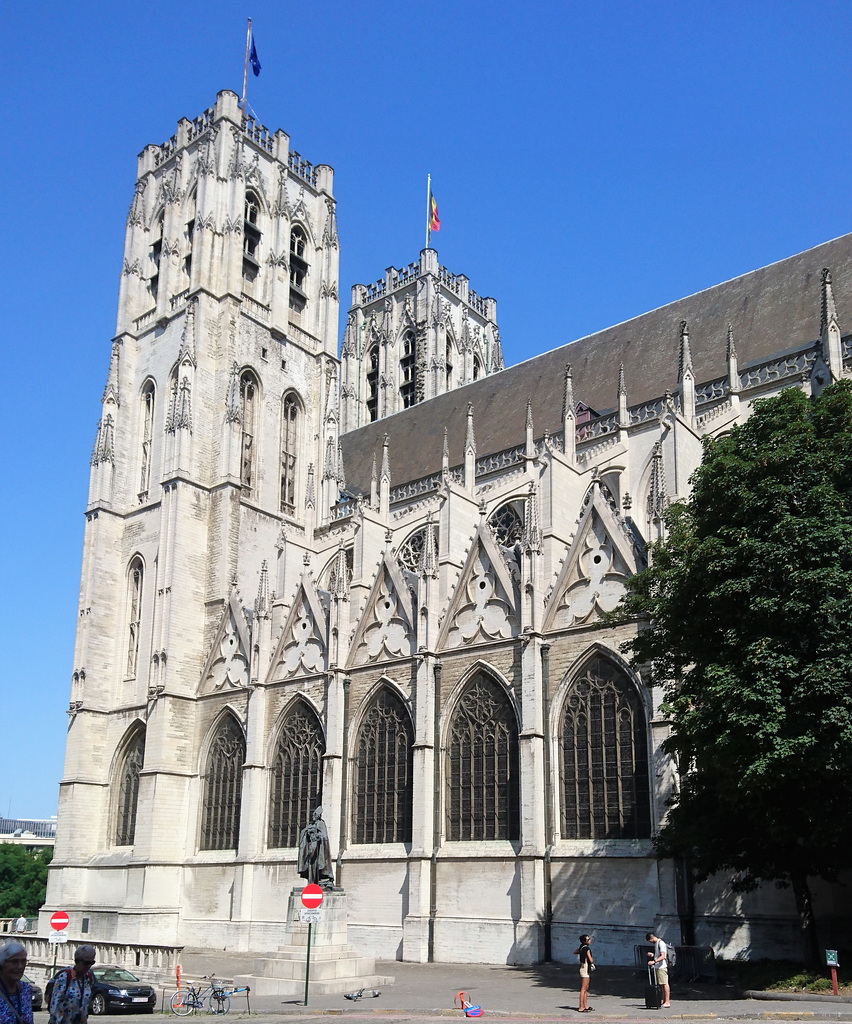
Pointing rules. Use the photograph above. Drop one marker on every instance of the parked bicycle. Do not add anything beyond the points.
(193, 997)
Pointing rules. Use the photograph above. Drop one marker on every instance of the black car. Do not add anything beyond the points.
(115, 989)
(37, 1000)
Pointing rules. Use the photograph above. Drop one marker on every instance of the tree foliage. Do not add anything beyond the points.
(749, 604)
(23, 879)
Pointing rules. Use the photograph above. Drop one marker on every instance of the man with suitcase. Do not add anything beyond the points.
(658, 960)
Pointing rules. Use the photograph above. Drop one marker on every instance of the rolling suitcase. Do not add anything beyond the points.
(653, 992)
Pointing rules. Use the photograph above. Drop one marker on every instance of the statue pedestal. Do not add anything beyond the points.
(335, 966)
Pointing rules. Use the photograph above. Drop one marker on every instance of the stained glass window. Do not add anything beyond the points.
(223, 788)
(383, 782)
(296, 786)
(604, 772)
(483, 783)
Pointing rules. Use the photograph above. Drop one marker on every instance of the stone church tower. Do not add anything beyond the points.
(413, 334)
(218, 415)
(383, 589)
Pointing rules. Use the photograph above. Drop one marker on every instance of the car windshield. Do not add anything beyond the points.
(113, 974)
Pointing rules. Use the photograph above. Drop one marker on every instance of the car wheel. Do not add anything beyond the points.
(98, 1006)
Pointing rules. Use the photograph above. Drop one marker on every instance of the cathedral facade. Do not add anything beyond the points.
(375, 583)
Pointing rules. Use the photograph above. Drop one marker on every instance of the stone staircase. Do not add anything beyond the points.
(335, 966)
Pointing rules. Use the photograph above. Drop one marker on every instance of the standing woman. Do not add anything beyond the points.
(587, 965)
(16, 996)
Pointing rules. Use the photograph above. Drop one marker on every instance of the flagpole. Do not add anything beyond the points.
(428, 209)
(245, 66)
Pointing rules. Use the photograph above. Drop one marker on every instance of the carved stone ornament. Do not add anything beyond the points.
(230, 669)
(304, 649)
(484, 611)
(301, 648)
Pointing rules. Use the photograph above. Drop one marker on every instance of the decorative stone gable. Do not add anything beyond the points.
(601, 558)
(302, 648)
(227, 665)
(484, 607)
(386, 630)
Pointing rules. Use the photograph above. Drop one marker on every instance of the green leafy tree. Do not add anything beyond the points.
(23, 879)
(749, 608)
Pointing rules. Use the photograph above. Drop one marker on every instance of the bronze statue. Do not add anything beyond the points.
(315, 863)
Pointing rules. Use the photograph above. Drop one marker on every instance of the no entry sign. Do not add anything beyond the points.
(311, 896)
(60, 920)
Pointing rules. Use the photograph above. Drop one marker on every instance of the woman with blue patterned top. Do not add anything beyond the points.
(16, 996)
(72, 989)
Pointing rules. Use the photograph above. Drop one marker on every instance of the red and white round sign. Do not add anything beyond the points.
(59, 921)
(311, 896)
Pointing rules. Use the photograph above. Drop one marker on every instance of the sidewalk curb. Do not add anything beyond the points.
(791, 997)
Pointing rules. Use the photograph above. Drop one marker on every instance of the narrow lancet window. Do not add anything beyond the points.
(135, 578)
(289, 452)
(128, 790)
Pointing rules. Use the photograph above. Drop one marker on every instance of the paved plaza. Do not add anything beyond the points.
(543, 992)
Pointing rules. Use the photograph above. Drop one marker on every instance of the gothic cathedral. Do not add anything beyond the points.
(374, 582)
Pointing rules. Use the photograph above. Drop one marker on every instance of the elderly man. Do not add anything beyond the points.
(72, 989)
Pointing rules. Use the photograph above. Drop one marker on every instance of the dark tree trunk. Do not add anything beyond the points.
(807, 922)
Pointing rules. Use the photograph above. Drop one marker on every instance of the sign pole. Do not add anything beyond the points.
(834, 981)
(308, 963)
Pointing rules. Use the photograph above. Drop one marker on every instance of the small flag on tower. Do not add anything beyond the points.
(434, 223)
(253, 59)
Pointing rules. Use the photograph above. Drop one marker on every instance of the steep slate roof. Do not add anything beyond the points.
(774, 310)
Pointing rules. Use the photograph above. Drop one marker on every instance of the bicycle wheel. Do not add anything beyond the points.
(183, 1002)
(219, 1002)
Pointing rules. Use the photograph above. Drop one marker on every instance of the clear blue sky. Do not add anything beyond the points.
(590, 161)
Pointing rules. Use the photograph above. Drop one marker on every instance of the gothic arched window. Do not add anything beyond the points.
(373, 382)
(148, 397)
(507, 523)
(298, 268)
(477, 368)
(383, 773)
(289, 451)
(156, 254)
(128, 789)
(483, 769)
(251, 238)
(449, 364)
(135, 579)
(189, 232)
(407, 369)
(296, 786)
(248, 410)
(603, 780)
(223, 788)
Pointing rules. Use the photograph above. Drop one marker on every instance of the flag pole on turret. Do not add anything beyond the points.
(432, 222)
(245, 66)
(428, 209)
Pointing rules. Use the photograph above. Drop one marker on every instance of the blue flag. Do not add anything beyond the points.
(253, 58)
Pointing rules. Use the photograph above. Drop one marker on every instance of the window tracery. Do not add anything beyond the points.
(223, 788)
(483, 769)
(604, 773)
(383, 773)
(507, 523)
(128, 790)
(296, 782)
(411, 550)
